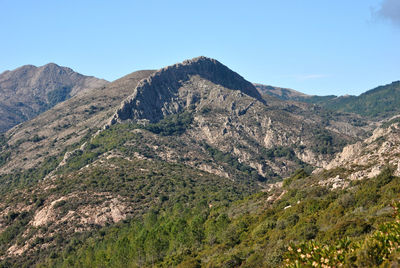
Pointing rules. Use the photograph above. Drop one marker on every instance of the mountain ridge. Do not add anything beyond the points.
(29, 90)
(195, 141)
(379, 103)
(164, 84)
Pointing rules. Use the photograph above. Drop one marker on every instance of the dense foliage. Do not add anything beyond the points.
(174, 124)
(382, 247)
(249, 233)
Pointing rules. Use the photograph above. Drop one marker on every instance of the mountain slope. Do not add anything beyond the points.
(292, 95)
(379, 103)
(305, 218)
(155, 97)
(29, 90)
(281, 93)
(269, 135)
(49, 134)
(187, 138)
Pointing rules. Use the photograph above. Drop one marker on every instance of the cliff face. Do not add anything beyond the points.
(158, 95)
(30, 90)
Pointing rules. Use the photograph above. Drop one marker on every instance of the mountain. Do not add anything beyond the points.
(330, 217)
(187, 165)
(343, 215)
(281, 93)
(268, 136)
(377, 104)
(232, 118)
(51, 133)
(29, 90)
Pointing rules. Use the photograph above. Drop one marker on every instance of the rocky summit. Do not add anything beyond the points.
(29, 90)
(191, 166)
(160, 95)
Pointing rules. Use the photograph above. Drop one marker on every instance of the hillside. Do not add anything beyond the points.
(29, 90)
(329, 217)
(183, 165)
(281, 93)
(230, 117)
(50, 134)
(377, 104)
(269, 136)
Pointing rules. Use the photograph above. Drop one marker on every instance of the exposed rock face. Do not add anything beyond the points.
(30, 90)
(230, 115)
(368, 158)
(157, 95)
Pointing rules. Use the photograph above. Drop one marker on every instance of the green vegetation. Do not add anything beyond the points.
(280, 151)
(381, 102)
(26, 178)
(378, 103)
(325, 143)
(391, 122)
(58, 95)
(16, 222)
(283, 152)
(248, 233)
(3, 141)
(37, 138)
(155, 190)
(4, 156)
(174, 124)
(232, 162)
(180, 216)
(381, 248)
(116, 136)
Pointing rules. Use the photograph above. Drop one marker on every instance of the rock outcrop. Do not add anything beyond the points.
(229, 114)
(368, 158)
(157, 95)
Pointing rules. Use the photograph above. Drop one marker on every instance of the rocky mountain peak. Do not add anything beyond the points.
(149, 98)
(30, 90)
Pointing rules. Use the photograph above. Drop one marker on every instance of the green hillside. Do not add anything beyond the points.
(252, 232)
(381, 102)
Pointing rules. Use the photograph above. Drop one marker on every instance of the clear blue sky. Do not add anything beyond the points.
(315, 46)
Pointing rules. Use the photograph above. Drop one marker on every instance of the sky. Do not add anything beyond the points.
(318, 47)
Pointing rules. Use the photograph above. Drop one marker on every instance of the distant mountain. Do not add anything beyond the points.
(66, 124)
(281, 93)
(29, 90)
(379, 103)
